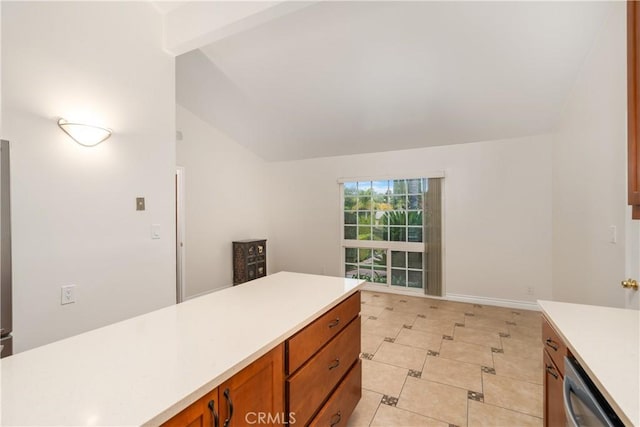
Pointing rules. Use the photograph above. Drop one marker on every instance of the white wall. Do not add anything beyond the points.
(225, 197)
(74, 217)
(589, 175)
(497, 212)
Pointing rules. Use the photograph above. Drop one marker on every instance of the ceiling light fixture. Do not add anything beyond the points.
(83, 134)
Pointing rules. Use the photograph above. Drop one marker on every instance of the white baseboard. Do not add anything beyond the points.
(471, 299)
(383, 288)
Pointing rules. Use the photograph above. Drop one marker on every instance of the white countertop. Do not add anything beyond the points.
(606, 343)
(146, 369)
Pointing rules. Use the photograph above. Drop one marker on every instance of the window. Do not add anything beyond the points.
(384, 231)
(367, 264)
(384, 210)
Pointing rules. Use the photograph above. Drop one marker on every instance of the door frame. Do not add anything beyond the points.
(180, 235)
(632, 261)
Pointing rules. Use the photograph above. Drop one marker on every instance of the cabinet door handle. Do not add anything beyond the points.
(552, 371)
(334, 323)
(551, 343)
(334, 364)
(214, 415)
(227, 395)
(335, 419)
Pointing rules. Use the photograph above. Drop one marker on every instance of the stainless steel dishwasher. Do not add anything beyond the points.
(583, 403)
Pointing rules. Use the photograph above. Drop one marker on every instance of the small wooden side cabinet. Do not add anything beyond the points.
(249, 260)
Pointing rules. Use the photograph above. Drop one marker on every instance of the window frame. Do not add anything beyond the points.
(382, 244)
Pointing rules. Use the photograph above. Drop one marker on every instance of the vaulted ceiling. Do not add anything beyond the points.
(337, 78)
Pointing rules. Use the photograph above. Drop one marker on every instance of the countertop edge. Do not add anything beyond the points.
(215, 382)
(603, 390)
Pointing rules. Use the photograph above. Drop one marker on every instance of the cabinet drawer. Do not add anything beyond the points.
(305, 343)
(311, 385)
(554, 345)
(343, 401)
(553, 394)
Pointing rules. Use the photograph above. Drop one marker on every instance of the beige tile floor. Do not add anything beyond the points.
(429, 362)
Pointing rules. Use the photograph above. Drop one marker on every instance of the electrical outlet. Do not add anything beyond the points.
(68, 294)
(530, 290)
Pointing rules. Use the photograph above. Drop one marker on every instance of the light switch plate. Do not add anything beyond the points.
(155, 231)
(139, 203)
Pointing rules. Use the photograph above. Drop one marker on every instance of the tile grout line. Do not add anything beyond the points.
(423, 416)
(513, 410)
(440, 344)
(375, 412)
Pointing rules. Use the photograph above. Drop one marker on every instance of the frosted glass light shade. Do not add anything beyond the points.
(83, 134)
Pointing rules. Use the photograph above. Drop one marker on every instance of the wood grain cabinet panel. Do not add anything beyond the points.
(553, 345)
(313, 383)
(307, 342)
(202, 413)
(553, 355)
(335, 412)
(554, 414)
(255, 395)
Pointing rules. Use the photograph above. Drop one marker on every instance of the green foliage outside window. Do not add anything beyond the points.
(385, 211)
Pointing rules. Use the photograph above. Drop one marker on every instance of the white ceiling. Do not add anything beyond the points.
(354, 77)
(164, 7)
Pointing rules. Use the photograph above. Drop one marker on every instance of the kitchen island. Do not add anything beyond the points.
(145, 370)
(606, 343)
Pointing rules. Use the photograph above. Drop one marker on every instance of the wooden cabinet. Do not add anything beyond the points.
(343, 401)
(553, 400)
(249, 260)
(554, 353)
(312, 378)
(309, 387)
(554, 345)
(633, 112)
(307, 342)
(324, 369)
(254, 395)
(203, 413)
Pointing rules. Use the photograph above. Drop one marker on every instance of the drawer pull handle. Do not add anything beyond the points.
(334, 323)
(214, 415)
(227, 396)
(334, 364)
(551, 343)
(335, 419)
(552, 371)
